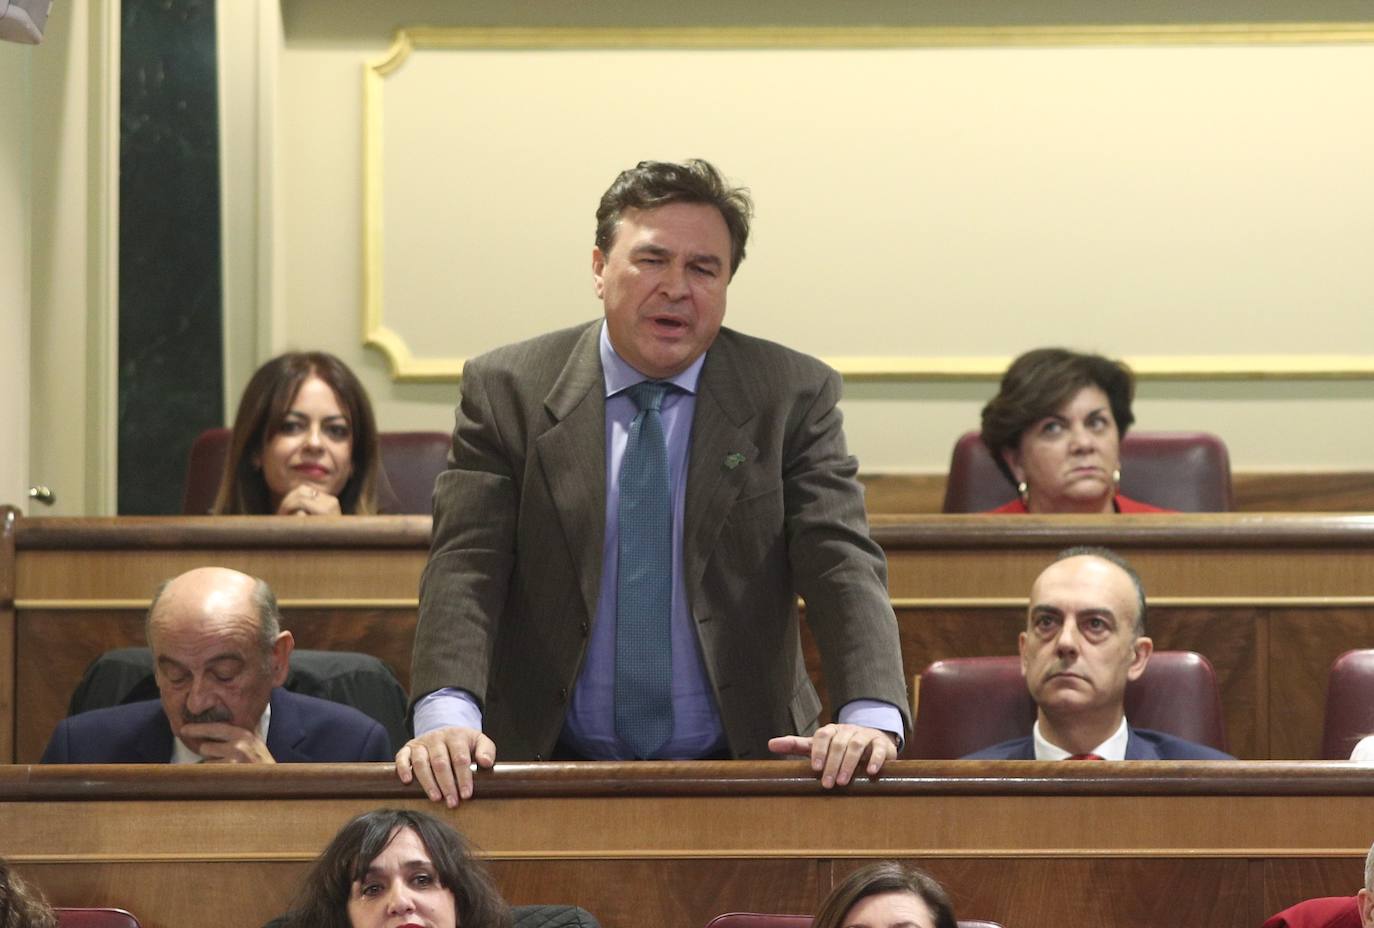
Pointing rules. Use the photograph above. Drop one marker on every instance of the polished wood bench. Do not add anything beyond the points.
(1271, 599)
(671, 844)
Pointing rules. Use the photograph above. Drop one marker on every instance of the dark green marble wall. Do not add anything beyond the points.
(170, 357)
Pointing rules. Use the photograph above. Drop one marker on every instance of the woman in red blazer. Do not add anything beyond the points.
(1055, 431)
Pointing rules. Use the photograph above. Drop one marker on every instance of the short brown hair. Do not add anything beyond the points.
(651, 184)
(262, 410)
(323, 898)
(20, 905)
(1039, 382)
(885, 877)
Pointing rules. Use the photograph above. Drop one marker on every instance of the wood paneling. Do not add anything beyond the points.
(1270, 599)
(1288, 881)
(1029, 845)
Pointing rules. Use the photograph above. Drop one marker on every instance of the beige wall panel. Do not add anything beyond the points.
(75, 259)
(1114, 197)
(963, 202)
(16, 185)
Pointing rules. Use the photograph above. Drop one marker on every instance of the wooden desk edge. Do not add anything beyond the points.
(89, 783)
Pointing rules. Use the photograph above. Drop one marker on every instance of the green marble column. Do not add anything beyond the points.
(170, 332)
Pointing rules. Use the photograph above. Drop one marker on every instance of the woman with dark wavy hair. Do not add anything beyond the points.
(886, 894)
(394, 867)
(1055, 431)
(304, 442)
(20, 906)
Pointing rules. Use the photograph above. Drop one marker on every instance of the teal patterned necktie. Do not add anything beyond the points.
(644, 581)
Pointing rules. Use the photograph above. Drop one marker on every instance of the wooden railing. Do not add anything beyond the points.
(1271, 599)
(1026, 844)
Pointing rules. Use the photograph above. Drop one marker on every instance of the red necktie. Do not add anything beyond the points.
(1084, 757)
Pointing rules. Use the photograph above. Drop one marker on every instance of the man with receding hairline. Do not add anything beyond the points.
(220, 658)
(1084, 640)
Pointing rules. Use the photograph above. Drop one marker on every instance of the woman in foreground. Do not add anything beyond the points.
(394, 867)
(886, 895)
(20, 906)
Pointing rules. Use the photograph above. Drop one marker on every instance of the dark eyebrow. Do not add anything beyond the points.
(712, 260)
(409, 866)
(647, 249)
(300, 415)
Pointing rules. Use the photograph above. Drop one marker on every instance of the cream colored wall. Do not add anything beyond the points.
(75, 139)
(16, 115)
(989, 289)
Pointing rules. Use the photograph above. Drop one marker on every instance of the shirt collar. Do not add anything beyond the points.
(1114, 748)
(181, 754)
(620, 375)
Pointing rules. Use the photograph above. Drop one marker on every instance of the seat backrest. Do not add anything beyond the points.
(969, 703)
(1349, 703)
(758, 920)
(1187, 471)
(552, 916)
(411, 461)
(95, 918)
(362, 681)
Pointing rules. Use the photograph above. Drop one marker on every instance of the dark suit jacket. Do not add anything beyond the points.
(303, 730)
(1141, 744)
(511, 586)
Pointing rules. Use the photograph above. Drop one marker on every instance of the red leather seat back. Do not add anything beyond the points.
(412, 461)
(1349, 703)
(1187, 471)
(969, 703)
(95, 918)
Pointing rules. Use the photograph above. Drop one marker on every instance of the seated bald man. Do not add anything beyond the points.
(220, 657)
(1084, 640)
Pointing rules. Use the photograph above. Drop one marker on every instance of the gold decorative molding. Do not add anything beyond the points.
(862, 37)
(407, 367)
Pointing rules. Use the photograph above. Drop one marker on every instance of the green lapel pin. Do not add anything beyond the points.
(733, 459)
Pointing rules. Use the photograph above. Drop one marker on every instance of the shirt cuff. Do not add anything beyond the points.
(447, 708)
(870, 713)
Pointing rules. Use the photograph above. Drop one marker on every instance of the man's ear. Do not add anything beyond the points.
(281, 657)
(1021, 649)
(1141, 650)
(1365, 901)
(599, 272)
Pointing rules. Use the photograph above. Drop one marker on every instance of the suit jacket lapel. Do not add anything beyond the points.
(284, 731)
(1138, 748)
(721, 456)
(572, 455)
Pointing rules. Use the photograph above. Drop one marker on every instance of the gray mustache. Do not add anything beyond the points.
(218, 714)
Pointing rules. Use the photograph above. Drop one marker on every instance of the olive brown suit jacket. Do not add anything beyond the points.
(773, 511)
